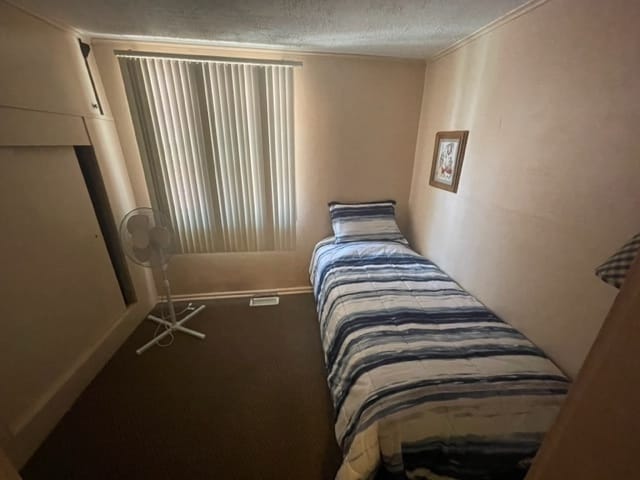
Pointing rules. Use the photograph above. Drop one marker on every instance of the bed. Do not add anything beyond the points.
(427, 383)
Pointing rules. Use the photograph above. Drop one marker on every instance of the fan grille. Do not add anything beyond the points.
(147, 237)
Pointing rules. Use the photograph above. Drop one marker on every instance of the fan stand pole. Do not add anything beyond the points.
(173, 325)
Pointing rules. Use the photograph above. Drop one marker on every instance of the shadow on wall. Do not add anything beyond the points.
(461, 115)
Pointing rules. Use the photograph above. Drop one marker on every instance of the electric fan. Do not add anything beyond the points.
(146, 235)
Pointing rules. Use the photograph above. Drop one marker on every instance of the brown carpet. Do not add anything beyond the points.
(249, 402)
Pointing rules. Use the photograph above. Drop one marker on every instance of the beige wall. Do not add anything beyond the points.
(356, 123)
(549, 184)
(61, 312)
(38, 60)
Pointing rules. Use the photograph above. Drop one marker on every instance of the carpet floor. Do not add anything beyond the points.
(248, 402)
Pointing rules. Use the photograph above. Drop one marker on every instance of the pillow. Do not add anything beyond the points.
(356, 222)
(615, 269)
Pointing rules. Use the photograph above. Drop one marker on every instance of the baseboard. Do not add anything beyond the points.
(190, 297)
(27, 432)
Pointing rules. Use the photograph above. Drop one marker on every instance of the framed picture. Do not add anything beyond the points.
(448, 154)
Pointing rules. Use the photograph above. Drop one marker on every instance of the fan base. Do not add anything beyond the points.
(172, 327)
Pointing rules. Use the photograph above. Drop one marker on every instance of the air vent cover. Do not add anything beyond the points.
(264, 301)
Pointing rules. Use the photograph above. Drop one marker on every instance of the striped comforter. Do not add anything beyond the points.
(425, 380)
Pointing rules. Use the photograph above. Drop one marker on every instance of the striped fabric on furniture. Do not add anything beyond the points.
(615, 269)
(354, 222)
(426, 381)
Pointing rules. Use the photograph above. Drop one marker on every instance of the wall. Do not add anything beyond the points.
(356, 123)
(52, 53)
(549, 184)
(60, 309)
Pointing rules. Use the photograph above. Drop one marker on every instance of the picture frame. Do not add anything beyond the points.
(448, 154)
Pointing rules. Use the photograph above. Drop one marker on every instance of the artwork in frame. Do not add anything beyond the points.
(448, 154)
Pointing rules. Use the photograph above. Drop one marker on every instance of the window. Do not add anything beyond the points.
(217, 146)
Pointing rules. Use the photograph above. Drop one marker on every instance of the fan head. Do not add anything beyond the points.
(146, 236)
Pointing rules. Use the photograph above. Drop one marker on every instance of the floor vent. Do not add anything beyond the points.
(264, 301)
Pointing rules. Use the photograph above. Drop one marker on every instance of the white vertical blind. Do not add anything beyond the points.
(216, 140)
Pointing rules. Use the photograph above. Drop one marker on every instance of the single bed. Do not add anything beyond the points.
(426, 381)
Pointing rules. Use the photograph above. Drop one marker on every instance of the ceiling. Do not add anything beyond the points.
(400, 28)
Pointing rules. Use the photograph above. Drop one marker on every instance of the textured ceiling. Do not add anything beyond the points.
(401, 28)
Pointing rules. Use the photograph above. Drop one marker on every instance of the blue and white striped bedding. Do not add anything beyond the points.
(425, 380)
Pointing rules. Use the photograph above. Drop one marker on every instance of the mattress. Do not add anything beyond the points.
(426, 382)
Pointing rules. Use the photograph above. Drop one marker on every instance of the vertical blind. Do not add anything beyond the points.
(216, 141)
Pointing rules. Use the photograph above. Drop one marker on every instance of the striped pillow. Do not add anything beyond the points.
(355, 222)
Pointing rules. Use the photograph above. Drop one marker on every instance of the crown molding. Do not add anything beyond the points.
(278, 50)
(193, 42)
(283, 49)
(498, 22)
